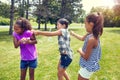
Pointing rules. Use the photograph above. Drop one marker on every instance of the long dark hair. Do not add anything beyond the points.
(24, 24)
(63, 21)
(97, 20)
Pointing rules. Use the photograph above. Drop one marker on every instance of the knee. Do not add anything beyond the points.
(59, 74)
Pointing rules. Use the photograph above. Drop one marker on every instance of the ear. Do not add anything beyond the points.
(92, 24)
(64, 25)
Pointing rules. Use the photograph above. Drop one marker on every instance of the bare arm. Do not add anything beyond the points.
(87, 53)
(16, 42)
(82, 38)
(46, 33)
(32, 40)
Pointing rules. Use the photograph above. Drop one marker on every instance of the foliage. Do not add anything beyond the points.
(4, 10)
(81, 18)
(4, 21)
(110, 17)
(116, 10)
(52, 10)
(70, 9)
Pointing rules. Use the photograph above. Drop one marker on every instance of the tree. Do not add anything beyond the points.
(81, 18)
(27, 8)
(70, 9)
(108, 15)
(42, 13)
(11, 16)
(52, 10)
(21, 7)
(116, 10)
(39, 12)
(45, 11)
(4, 10)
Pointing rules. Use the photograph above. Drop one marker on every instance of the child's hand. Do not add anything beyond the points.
(24, 40)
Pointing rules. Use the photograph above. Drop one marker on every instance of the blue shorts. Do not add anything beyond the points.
(31, 64)
(65, 61)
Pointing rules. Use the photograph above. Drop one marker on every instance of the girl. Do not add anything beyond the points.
(24, 37)
(64, 46)
(91, 51)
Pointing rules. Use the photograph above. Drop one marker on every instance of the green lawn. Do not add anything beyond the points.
(48, 57)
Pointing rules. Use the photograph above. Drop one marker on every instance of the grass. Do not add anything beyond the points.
(48, 57)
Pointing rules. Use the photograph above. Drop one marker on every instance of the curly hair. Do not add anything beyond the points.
(24, 24)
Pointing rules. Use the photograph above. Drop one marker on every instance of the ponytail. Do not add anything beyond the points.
(97, 20)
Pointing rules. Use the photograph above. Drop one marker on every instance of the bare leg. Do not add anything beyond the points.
(62, 73)
(81, 78)
(66, 76)
(31, 73)
(23, 74)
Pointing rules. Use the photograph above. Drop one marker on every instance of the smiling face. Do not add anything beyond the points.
(18, 29)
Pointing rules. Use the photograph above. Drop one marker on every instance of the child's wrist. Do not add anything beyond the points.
(19, 42)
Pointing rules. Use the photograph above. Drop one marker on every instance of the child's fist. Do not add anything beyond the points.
(24, 40)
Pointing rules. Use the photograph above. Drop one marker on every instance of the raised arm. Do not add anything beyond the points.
(46, 33)
(82, 38)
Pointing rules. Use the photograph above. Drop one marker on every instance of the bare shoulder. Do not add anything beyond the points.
(93, 41)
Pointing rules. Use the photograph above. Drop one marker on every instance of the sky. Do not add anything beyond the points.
(88, 4)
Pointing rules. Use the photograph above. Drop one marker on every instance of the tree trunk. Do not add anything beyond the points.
(45, 24)
(39, 17)
(11, 16)
(27, 7)
(22, 9)
(38, 22)
(63, 7)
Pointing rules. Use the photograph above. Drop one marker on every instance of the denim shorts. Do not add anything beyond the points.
(65, 61)
(31, 64)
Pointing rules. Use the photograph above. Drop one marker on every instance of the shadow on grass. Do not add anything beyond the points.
(4, 36)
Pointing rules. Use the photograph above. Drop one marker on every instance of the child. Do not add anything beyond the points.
(91, 51)
(24, 37)
(64, 46)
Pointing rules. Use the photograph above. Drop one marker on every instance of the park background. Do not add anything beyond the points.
(43, 15)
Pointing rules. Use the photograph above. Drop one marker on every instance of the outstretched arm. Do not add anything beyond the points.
(46, 33)
(82, 38)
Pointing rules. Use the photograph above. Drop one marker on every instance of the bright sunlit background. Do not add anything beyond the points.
(88, 4)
